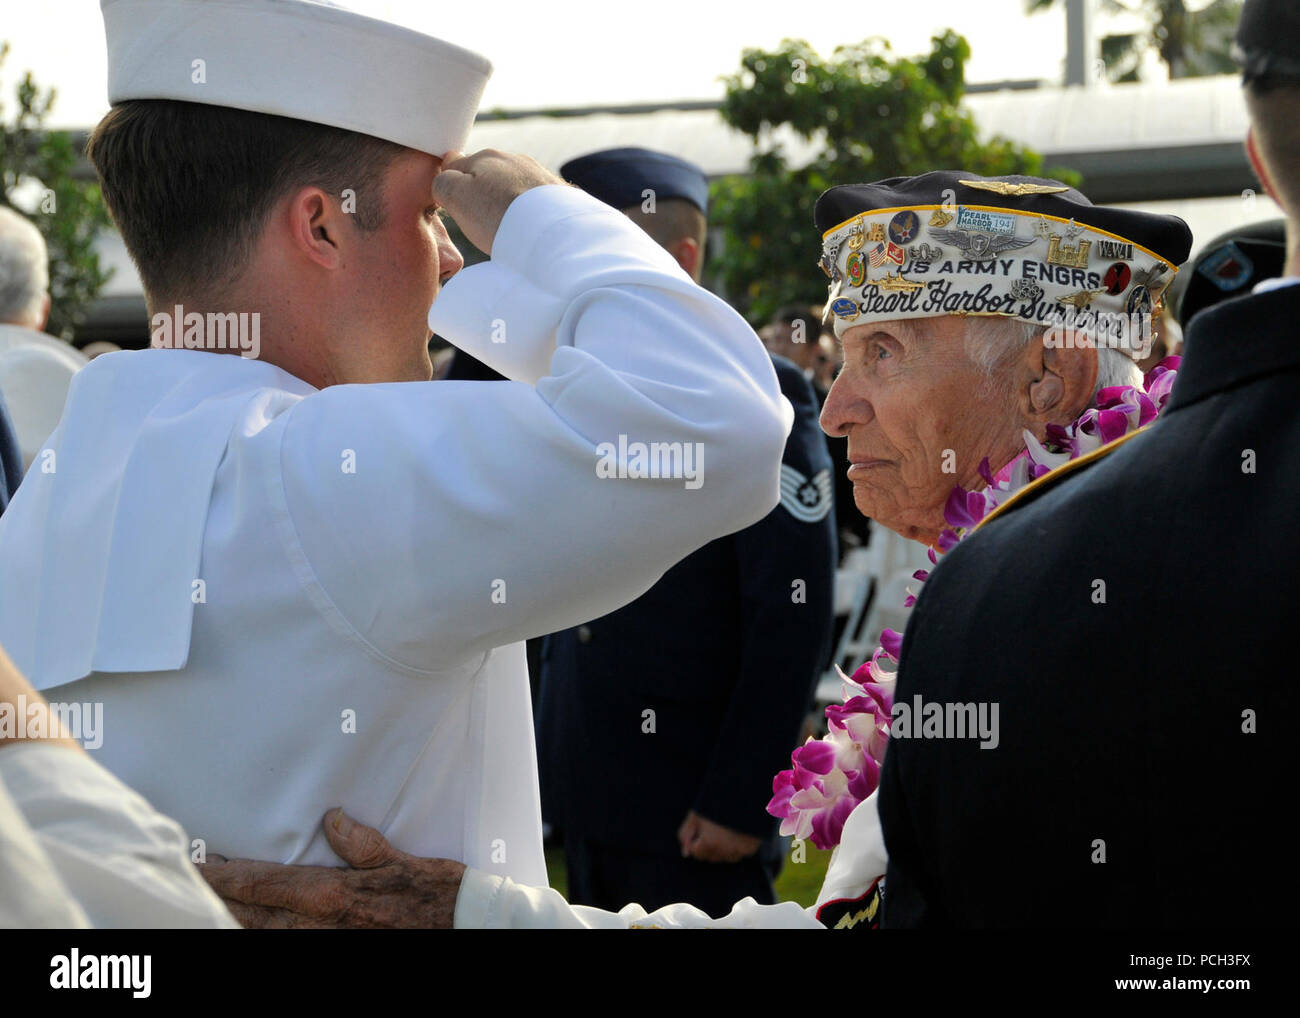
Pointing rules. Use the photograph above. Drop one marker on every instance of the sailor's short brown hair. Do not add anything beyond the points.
(190, 186)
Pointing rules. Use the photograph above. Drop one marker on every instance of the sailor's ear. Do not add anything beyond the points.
(316, 227)
(1059, 374)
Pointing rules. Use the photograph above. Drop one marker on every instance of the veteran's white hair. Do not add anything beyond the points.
(993, 342)
(24, 269)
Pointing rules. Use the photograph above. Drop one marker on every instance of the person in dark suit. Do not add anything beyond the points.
(11, 461)
(1231, 265)
(1134, 620)
(660, 725)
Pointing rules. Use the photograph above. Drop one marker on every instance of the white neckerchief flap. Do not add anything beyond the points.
(121, 597)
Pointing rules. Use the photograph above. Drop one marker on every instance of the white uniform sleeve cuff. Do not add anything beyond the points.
(553, 243)
(478, 890)
(491, 902)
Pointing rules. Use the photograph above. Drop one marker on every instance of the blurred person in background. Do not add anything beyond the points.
(792, 334)
(11, 459)
(827, 363)
(722, 652)
(1232, 265)
(35, 369)
(98, 348)
(796, 333)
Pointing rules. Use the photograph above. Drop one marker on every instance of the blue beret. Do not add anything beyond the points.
(620, 176)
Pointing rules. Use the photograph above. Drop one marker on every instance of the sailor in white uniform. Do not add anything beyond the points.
(291, 595)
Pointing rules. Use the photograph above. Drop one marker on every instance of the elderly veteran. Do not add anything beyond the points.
(987, 330)
(970, 311)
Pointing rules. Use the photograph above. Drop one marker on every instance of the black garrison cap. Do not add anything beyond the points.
(1268, 39)
(621, 176)
(1167, 236)
(954, 242)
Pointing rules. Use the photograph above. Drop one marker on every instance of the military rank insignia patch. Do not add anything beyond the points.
(807, 499)
(862, 913)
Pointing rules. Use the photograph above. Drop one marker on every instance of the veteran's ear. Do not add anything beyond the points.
(1062, 373)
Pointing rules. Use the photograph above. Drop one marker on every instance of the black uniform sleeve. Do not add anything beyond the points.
(907, 896)
(787, 572)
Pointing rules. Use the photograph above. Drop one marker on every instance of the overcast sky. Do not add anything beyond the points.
(586, 52)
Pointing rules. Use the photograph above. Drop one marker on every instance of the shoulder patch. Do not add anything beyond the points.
(807, 499)
(861, 913)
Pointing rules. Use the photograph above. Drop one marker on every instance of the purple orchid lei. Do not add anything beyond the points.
(831, 775)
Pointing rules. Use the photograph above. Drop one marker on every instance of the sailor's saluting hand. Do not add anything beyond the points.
(477, 189)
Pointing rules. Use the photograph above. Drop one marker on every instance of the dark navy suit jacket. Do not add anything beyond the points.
(11, 462)
(725, 649)
(1146, 742)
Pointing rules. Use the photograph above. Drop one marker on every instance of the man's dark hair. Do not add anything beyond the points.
(190, 185)
(792, 313)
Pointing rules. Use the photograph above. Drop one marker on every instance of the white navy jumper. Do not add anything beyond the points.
(232, 561)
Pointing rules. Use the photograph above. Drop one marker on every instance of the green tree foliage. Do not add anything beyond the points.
(1191, 42)
(38, 165)
(870, 115)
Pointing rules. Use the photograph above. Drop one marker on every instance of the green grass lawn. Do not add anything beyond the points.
(799, 881)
